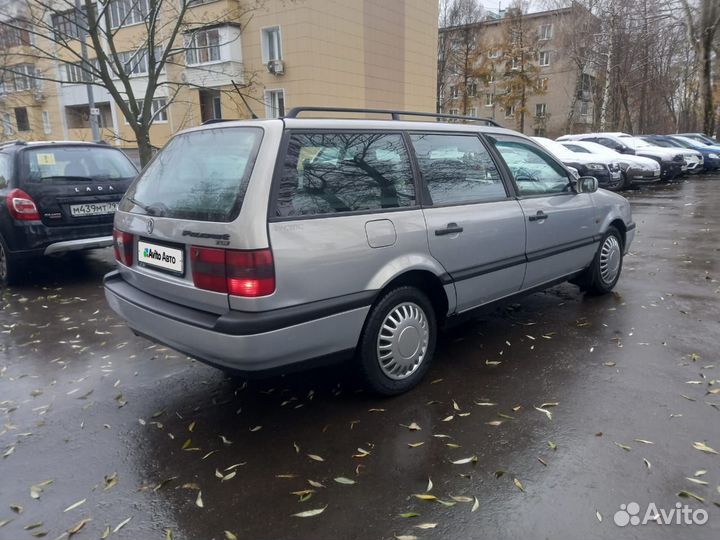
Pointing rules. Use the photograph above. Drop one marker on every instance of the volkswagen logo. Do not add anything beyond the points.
(150, 226)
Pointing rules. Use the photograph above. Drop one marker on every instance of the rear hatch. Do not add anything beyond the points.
(75, 184)
(177, 229)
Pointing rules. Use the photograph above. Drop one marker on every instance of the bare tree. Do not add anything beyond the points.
(702, 20)
(522, 73)
(84, 40)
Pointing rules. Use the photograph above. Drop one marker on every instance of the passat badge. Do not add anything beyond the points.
(150, 226)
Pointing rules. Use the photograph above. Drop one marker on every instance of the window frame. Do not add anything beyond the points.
(541, 55)
(193, 49)
(280, 163)
(506, 170)
(510, 189)
(264, 43)
(541, 32)
(269, 107)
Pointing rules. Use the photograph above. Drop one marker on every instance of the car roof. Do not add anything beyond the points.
(20, 145)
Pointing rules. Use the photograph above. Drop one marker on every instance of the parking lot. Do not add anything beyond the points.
(556, 411)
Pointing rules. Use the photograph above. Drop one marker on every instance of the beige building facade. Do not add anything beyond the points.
(564, 103)
(279, 53)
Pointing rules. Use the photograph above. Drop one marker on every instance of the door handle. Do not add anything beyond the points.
(451, 228)
(539, 216)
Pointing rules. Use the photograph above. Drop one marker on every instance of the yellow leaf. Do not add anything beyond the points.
(463, 461)
(315, 457)
(425, 496)
(75, 505)
(415, 445)
(230, 536)
(79, 525)
(426, 526)
(518, 484)
(703, 448)
(310, 513)
(199, 501)
(475, 505)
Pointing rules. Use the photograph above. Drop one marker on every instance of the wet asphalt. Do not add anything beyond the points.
(136, 431)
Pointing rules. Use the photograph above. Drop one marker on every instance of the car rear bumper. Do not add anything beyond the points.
(248, 342)
(33, 238)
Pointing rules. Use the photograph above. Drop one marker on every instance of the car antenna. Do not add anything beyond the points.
(252, 114)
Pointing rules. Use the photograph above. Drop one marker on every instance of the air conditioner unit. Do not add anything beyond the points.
(276, 67)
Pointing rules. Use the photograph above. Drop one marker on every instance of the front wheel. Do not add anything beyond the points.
(9, 266)
(398, 341)
(604, 272)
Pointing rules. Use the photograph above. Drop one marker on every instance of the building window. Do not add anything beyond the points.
(489, 100)
(515, 64)
(584, 108)
(271, 44)
(47, 126)
(68, 25)
(472, 111)
(203, 47)
(134, 62)
(14, 36)
(23, 78)
(510, 112)
(127, 12)
(274, 103)
(545, 58)
(21, 119)
(494, 53)
(454, 92)
(7, 124)
(472, 89)
(540, 110)
(159, 110)
(545, 31)
(539, 131)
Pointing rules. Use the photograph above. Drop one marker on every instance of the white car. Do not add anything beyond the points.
(605, 169)
(637, 170)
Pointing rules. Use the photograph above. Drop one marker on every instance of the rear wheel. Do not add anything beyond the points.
(9, 266)
(604, 272)
(398, 341)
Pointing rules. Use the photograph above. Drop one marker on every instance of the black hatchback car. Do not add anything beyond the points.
(57, 197)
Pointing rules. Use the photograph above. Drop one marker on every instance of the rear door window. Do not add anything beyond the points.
(457, 169)
(200, 175)
(72, 163)
(328, 173)
(5, 170)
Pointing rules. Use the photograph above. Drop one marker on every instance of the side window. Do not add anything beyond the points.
(5, 170)
(457, 169)
(326, 173)
(534, 171)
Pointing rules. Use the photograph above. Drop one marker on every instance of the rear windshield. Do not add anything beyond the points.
(201, 175)
(73, 163)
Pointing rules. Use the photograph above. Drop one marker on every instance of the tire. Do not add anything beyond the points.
(9, 266)
(626, 182)
(403, 320)
(604, 272)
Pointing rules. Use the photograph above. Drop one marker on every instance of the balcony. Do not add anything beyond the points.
(219, 62)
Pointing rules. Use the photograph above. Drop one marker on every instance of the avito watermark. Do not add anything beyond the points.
(681, 514)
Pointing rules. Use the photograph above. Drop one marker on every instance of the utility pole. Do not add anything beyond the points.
(608, 73)
(82, 36)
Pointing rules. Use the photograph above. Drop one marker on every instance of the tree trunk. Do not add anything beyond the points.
(145, 149)
(708, 111)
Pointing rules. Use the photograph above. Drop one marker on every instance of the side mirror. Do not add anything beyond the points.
(586, 184)
(574, 172)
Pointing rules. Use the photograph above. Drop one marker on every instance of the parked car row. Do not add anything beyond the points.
(642, 160)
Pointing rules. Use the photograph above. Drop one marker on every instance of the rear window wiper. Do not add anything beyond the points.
(150, 209)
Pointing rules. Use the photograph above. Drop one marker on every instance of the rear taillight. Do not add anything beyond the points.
(240, 273)
(123, 243)
(21, 206)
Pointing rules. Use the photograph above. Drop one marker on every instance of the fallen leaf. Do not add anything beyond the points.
(409, 515)
(700, 472)
(647, 464)
(343, 480)
(121, 525)
(229, 476)
(463, 461)
(110, 480)
(230, 536)
(448, 418)
(429, 485)
(225, 440)
(406, 537)
(79, 525)
(643, 441)
(425, 496)
(16, 508)
(475, 505)
(541, 460)
(191, 427)
(412, 427)
(690, 495)
(703, 448)
(199, 501)
(37, 489)
(105, 533)
(696, 481)
(75, 505)
(426, 526)
(315, 457)
(623, 446)
(518, 484)
(544, 411)
(256, 428)
(33, 526)
(310, 513)
(552, 445)
(415, 445)
(495, 423)
(446, 503)
(455, 405)
(461, 499)
(315, 484)
(598, 515)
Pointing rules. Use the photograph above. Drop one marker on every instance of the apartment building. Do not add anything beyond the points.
(561, 85)
(279, 53)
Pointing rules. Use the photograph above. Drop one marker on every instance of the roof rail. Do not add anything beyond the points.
(216, 121)
(19, 142)
(394, 115)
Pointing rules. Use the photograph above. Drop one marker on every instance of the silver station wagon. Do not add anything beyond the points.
(258, 246)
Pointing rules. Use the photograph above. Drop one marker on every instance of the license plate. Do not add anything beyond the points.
(158, 256)
(93, 209)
